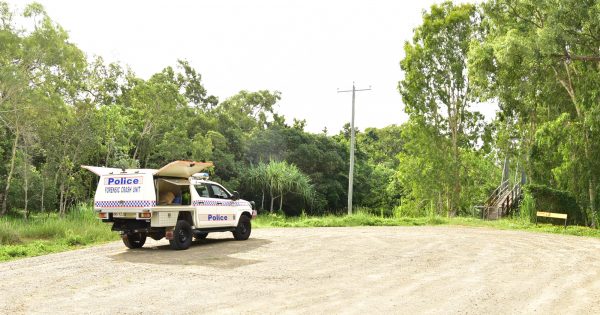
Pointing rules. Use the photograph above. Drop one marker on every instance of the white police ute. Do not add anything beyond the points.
(175, 202)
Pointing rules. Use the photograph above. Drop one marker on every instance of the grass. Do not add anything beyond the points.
(361, 219)
(43, 234)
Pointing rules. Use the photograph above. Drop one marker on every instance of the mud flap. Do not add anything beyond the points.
(169, 234)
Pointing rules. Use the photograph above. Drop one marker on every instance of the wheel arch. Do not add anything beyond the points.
(242, 213)
(246, 213)
(186, 216)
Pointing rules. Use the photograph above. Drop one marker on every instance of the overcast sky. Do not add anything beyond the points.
(304, 49)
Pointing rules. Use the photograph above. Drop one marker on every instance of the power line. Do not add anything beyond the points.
(351, 172)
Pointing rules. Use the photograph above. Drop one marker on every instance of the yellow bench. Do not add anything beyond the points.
(551, 215)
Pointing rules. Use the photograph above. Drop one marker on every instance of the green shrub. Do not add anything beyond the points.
(75, 240)
(8, 236)
(527, 210)
(357, 219)
(45, 228)
(16, 251)
(382, 212)
(48, 233)
(554, 200)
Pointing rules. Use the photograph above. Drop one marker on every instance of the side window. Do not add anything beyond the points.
(218, 192)
(202, 190)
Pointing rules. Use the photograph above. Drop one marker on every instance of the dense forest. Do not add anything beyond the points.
(537, 61)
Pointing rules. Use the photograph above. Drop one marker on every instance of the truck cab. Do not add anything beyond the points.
(175, 202)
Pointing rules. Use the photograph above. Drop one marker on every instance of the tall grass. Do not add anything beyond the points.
(43, 234)
(358, 219)
(527, 210)
(364, 219)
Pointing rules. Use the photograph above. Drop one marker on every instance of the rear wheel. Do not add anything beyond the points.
(134, 240)
(243, 229)
(182, 235)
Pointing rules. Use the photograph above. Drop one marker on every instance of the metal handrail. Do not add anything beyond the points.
(502, 198)
(499, 191)
(492, 195)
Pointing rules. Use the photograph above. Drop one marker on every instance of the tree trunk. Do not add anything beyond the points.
(26, 190)
(26, 180)
(262, 203)
(456, 187)
(43, 192)
(107, 154)
(592, 179)
(592, 192)
(272, 199)
(145, 130)
(10, 173)
(568, 86)
(61, 202)
(281, 202)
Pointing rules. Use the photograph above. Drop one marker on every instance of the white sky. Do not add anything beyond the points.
(304, 49)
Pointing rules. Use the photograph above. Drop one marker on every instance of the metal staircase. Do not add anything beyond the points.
(502, 201)
(505, 198)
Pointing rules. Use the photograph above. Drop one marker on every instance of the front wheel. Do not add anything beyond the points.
(182, 235)
(134, 240)
(243, 229)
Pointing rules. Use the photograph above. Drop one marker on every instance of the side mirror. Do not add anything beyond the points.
(235, 195)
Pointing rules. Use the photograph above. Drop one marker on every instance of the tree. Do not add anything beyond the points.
(38, 69)
(437, 96)
(279, 179)
(316, 155)
(533, 60)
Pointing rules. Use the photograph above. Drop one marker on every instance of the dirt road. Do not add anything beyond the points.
(318, 270)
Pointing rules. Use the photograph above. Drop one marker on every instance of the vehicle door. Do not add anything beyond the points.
(202, 201)
(224, 210)
(213, 206)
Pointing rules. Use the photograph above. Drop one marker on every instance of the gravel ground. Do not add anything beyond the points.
(358, 270)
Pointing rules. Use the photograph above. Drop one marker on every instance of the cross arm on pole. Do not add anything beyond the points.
(355, 90)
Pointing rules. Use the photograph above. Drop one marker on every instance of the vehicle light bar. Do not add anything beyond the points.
(200, 176)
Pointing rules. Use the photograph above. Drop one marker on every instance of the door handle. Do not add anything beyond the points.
(219, 203)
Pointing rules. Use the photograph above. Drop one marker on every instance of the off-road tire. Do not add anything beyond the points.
(182, 236)
(134, 240)
(243, 229)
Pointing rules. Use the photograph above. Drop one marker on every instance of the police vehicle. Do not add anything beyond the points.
(176, 202)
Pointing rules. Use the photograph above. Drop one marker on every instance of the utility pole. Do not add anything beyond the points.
(351, 172)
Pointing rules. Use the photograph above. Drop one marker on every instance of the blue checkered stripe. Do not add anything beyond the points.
(219, 203)
(125, 204)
